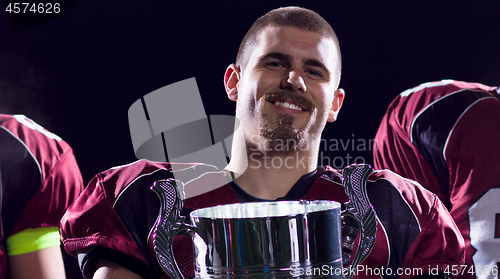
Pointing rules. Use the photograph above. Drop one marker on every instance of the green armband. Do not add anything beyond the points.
(31, 240)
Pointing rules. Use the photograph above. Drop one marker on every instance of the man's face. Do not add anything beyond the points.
(287, 91)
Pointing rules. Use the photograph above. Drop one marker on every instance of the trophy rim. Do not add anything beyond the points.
(264, 209)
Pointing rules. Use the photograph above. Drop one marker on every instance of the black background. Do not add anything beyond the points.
(78, 74)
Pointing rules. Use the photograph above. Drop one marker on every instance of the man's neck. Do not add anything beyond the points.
(270, 175)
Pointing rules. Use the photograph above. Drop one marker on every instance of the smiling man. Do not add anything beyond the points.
(285, 85)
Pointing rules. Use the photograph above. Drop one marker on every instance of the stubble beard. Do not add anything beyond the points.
(282, 135)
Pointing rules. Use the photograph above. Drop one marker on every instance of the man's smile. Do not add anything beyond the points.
(288, 105)
(289, 102)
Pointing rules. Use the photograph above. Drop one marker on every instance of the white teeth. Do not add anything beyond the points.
(288, 105)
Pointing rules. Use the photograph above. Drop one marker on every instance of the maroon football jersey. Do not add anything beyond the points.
(114, 218)
(39, 178)
(446, 135)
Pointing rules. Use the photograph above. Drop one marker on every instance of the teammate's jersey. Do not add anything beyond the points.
(114, 217)
(39, 178)
(446, 135)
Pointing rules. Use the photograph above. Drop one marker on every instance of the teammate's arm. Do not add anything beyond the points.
(41, 264)
(35, 253)
(109, 270)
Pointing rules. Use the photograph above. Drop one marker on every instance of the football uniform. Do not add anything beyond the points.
(445, 135)
(114, 218)
(39, 179)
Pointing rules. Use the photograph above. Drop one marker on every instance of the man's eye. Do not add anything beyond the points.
(274, 64)
(314, 73)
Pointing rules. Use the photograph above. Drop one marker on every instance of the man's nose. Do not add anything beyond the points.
(294, 81)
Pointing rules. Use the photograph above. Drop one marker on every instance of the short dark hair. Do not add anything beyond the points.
(297, 17)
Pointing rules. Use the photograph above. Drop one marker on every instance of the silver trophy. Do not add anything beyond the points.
(279, 239)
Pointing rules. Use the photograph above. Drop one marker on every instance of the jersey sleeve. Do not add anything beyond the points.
(114, 218)
(60, 188)
(439, 245)
(394, 150)
(92, 222)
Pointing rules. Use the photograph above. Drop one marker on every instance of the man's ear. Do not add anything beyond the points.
(231, 81)
(338, 99)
